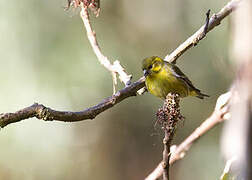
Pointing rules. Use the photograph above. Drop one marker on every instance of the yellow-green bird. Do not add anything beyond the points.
(163, 77)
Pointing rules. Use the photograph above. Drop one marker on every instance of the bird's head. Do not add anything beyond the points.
(152, 65)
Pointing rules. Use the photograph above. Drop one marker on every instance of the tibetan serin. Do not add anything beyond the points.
(163, 77)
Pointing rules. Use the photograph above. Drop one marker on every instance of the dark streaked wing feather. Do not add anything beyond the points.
(179, 74)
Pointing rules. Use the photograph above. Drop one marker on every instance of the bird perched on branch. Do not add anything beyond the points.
(163, 77)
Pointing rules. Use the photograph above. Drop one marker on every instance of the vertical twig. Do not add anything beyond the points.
(115, 68)
(166, 155)
(207, 21)
(220, 114)
(168, 117)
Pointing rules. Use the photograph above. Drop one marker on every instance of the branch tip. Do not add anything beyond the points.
(207, 21)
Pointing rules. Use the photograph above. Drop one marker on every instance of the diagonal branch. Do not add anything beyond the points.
(92, 112)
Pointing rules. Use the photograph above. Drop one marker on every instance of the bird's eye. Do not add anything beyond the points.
(150, 66)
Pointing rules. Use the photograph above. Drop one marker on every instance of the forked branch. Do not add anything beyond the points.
(92, 112)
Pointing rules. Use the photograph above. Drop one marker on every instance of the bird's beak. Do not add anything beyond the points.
(146, 72)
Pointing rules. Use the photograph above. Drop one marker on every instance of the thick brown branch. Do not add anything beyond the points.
(48, 114)
(214, 21)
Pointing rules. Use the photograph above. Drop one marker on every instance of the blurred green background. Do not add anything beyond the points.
(45, 57)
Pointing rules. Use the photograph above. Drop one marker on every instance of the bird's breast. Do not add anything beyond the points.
(163, 82)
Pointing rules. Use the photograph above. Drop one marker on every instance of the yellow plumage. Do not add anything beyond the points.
(163, 77)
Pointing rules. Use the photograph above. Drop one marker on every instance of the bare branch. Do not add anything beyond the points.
(114, 68)
(166, 156)
(41, 112)
(214, 21)
(168, 117)
(8, 118)
(220, 113)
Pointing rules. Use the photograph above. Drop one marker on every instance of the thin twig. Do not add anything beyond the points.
(207, 21)
(114, 68)
(166, 156)
(214, 21)
(219, 115)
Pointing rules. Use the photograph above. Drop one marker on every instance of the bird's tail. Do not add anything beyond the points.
(198, 94)
(201, 95)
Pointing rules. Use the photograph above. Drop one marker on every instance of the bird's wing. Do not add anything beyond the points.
(179, 74)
